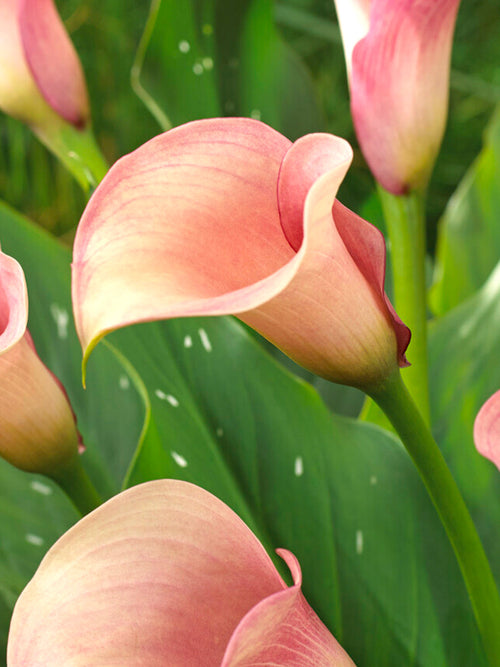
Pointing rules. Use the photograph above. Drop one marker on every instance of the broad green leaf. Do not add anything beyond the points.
(469, 236)
(224, 58)
(342, 495)
(465, 371)
(221, 412)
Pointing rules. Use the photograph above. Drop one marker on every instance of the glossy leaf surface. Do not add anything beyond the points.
(222, 413)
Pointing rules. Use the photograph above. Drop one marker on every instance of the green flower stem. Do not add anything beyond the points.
(405, 221)
(77, 485)
(396, 402)
(78, 151)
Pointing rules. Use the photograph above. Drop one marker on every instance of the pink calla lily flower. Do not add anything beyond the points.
(487, 429)
(41, 79)
(37, 425)
(398, 64)
(227, 216)
(166, 574)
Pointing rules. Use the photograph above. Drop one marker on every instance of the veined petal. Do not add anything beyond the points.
(226, 216)
(284, 630)
(52, 60)
(188, 224)
(399, 88)
(160, 574)
(487, 429)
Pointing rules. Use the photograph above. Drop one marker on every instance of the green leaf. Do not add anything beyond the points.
(222, 413)
(469, 236)
(465, 371)
(224, 58)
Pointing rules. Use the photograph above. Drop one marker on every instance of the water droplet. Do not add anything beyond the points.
(124, 382)
(205, 340)
(40, 487)
(180, 460)
(61, 318)
(299, 466)
(188, 341)
(34, 539)
(207, 63)
(167, 397)
(359, 542)
(255, 114)
(184, 46)
(198, 69)
(207, 29)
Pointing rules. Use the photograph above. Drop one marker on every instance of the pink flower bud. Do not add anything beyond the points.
(37, 425)
(41, 79)
(398, 64)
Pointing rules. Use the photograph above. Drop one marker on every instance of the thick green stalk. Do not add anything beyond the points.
(396, 402)
(405, 221)
(77, 485)
(77, 150)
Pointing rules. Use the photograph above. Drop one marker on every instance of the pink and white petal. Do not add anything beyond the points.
(13, 302)
(188, 224)
(307, 160)
(399, 88)
(53, 61)
(487, 429)
(329, 317)
(366, 245)
(283, 630)
(37, 423)
(354, 21)
(160, 574)
(19, 96)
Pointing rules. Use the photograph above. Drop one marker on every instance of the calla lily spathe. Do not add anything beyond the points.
(37, 425)
(227, 216)
(487, 429)
(398, 63)
(41, 79)
(166, 574)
